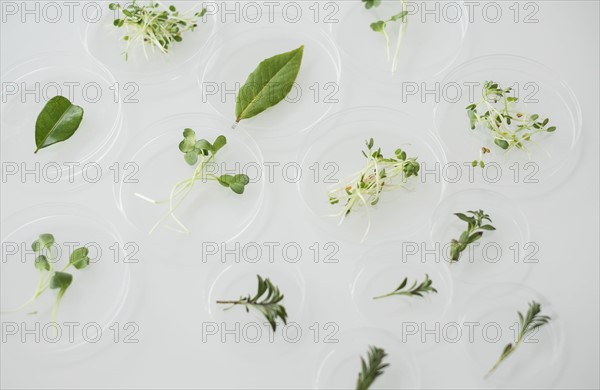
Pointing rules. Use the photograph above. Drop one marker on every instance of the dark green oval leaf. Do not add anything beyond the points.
(57, 122)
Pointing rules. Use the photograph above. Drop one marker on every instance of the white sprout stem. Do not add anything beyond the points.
(401, 30)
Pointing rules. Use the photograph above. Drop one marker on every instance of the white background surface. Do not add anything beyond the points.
(168, 298)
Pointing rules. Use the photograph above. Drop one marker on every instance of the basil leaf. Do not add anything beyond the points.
(268, 84)
(57, 122)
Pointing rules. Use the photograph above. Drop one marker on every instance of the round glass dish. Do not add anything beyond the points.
(340, 363)
(240, 280)
(537, 361)
(431, 43)
(502, 255)
(550, 157)
(94, 300)
(332, 152)
(240, 47)
(145, 64)
(27, 87)
(160, 165)
(380, 272)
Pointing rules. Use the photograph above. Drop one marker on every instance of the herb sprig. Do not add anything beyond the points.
(527, 324)
(266, 300)
(475, 228)
(49, 278)
(380, 174)
(511, 127)
(414, 290)
(202, 153)
(371, 368)
(149, 25)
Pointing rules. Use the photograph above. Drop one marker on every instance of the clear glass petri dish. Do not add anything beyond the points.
(332, 153)
(431, 43)
(379, 272)
(492, 312)
(339, 363)
(160, 165)
(85, 316)
(238, 48)
(550, 158)
(235, 281)
(27, 87)
(145, 64)
(506, 254)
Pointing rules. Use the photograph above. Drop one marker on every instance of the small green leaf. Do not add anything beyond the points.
(238, 188)
(487, 227)
(186, 146)
(61, 280)
(204, 145)
(219, 143)
(57, 122)
(502, 143)
(41, 263)
(399, 16)
(268, 84)
(189, 133)
(191, 158)
(551, 129)
(44, 241)
(378, 26)
(79, 258)
(472, 119)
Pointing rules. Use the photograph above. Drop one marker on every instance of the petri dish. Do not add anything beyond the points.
(548, 160)
(340, 363)
(506, 254)
(145, 64)
(27, 87)
(240, 47)
(431, 43)
(380, 272)
(537, 361)
(332, 153)
(84, 316)
(160, 165)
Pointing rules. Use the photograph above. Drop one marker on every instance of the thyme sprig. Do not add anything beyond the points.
(372, 368)
(414, 290)
(475, 228)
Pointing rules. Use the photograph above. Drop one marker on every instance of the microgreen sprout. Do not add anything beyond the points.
(149, 25)
(482, 152)
(475, 228)
(527, 324)
(371, 3)
(371, 368)
(511, 127)
(49, 278)
(380, 174)
(380, 27)
(200, 153)
(413, 291)
(266, 301)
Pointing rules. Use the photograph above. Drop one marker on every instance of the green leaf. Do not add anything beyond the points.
(474, 237)
(204, 145)
(186, 145)
(191, 158)
(219, 143)
(44, 241)
(472, 118)
(465, 218)
(487, 227)
(41, 263)
(268, 84)
(242, 179)
(238, 188)
(551, 129)
(399, 16)
(61, 280)
(189, 134)
(79, 258)
(378, 26)
(502, 143)
(371, 3)
(57, 122)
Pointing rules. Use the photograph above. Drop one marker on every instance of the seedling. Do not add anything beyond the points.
(415, 290)
(510, 127)
(200, 153)
(371, 3)
(266, 301)
(49, 278)
(475, 228)
(380, 27)
(372, 368)
(57, 122)
(149, 25)
(527, 324)
(482, 152)
(380, 174)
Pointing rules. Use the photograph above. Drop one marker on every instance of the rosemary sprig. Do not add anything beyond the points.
(475, 228)
(380, 174)
(414, 290)
(372, 368)
(529, 323)
(510, 127)
(269, 305)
